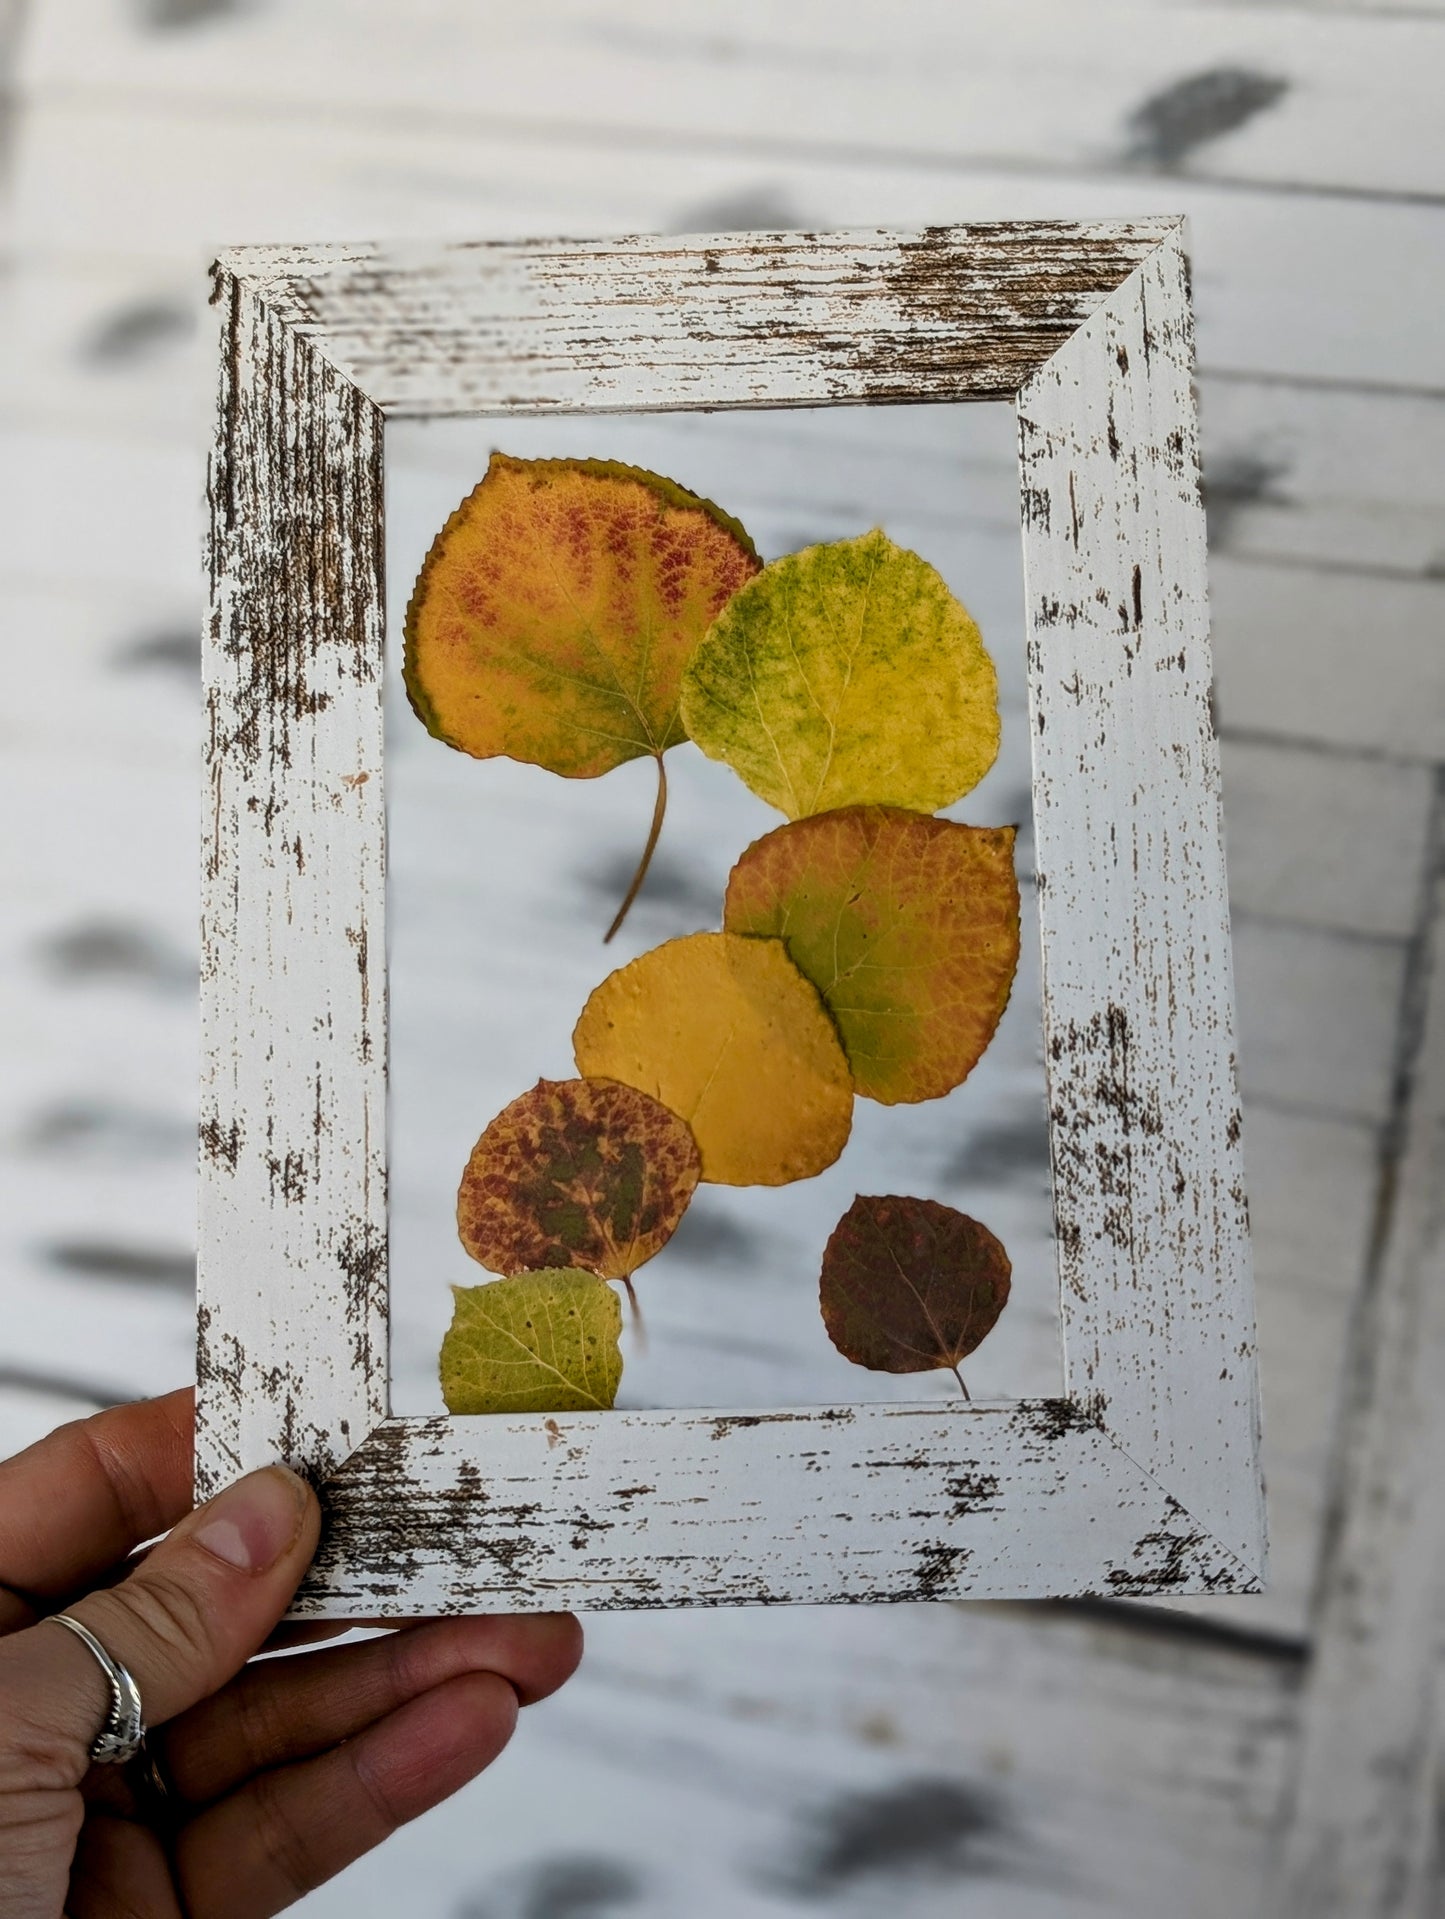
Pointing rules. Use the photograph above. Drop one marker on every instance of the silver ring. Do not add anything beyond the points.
(123, 1734)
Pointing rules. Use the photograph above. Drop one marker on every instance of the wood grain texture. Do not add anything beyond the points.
(292, 1353)
(960, 313)
(816, 1504)
(1091, 322)
(1138, 998)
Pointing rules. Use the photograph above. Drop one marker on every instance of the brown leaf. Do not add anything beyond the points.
(578, 1172)
(909, 1285)
(729, 1034)
(908, 927)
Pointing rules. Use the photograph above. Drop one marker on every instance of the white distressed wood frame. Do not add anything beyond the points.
(1144, 1478)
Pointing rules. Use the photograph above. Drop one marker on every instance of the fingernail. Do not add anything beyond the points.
(253, 1523)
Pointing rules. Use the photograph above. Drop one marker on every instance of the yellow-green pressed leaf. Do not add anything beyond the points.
(535, 1343)
(908, 926)
(842, 675)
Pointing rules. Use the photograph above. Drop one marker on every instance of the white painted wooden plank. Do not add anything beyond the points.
(1244, 97)
(106, 678)
(292, 1276)
(1317, 1014)
(1341, 659)
(1270, 295)
(739, 320)
(848, 1762)
(816, 1504)
(1138, 1004)
(1336, 479)
(1325, 839)
(1361, 1841)
(1304, 473)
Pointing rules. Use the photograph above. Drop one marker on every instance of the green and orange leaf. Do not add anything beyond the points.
(908, 927)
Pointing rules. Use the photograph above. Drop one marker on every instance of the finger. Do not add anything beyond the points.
(185, 1620)
(289, 1831)
(77, 1501)
(283, 1710)
(120, 1868)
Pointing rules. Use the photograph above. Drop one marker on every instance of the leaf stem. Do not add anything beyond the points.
(639, 1324)
(959, 1377)
(647, 852)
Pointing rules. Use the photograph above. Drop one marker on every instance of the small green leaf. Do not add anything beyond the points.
(908, 926)
(846, 675)
(535, 1343)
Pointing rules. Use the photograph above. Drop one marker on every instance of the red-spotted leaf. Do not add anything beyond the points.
(556, 610)
(910, 1285)
(578, 1172)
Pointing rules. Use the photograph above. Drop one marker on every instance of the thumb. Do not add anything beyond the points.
(188, 1617)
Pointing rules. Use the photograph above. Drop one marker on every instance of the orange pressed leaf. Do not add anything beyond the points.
(910, 1285)
(581, 1173)
(557, 608)
(908, 926)
(729, 1035)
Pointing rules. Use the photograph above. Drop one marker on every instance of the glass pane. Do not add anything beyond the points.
(503, 879)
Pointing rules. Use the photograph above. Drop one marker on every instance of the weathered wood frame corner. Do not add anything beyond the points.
(1144, 1478)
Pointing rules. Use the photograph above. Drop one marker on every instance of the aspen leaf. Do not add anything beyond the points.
(729, 1035)
(534, 1343)
(910, 1285)
(579, 1173)
(845, 674)
(907, 926)
(556, 609)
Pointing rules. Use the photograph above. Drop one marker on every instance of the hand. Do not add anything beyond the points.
(279, 1773)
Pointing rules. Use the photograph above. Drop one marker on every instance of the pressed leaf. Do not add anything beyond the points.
(578, 1172)
(555, 611)
(846, 674)
(907, 926)
(729, 1035)
(910, 1285)
(534, 1343)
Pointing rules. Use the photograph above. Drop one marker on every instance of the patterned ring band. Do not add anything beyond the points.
(123, 1734)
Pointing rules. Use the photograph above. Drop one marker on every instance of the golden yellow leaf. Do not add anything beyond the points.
(534, 1343)
(908, 927)
(729, 1034)
(845, 674)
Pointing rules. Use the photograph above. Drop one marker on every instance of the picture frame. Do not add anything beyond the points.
(1143, 1477)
